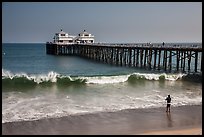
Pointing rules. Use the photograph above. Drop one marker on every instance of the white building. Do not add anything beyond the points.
(64, 38)
(85, 37)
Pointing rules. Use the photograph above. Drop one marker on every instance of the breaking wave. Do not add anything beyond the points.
(9, 78)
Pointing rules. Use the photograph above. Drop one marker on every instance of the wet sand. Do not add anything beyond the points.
(131, 121)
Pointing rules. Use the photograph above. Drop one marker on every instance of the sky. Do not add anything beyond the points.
(113, 22)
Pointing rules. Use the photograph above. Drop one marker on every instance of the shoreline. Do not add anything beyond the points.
(181, 119)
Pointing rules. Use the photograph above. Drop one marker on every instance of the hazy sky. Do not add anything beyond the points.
(107, 21)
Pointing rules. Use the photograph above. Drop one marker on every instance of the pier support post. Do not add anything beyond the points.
(196, 60)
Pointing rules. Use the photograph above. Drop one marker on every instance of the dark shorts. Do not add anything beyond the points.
(168, 105)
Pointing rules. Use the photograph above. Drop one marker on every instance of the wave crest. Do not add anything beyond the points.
(50, 77)
(54, 77)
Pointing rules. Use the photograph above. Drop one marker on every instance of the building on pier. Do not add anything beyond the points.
(85, 37)
(63, 38)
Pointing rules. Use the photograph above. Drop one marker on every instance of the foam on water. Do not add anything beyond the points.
(39, 107)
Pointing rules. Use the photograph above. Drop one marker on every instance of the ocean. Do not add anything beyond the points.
(36, 85)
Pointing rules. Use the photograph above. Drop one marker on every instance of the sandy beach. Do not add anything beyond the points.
(183, 120)
(188, 131)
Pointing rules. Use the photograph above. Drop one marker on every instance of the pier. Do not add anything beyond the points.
(168, 58)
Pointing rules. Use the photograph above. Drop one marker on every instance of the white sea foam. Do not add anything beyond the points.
(124, 78)
(106, 79)
(27, 109)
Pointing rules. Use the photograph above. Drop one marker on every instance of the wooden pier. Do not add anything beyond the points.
(148, 56)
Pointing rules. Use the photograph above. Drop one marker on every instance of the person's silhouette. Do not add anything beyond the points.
(168, 99)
